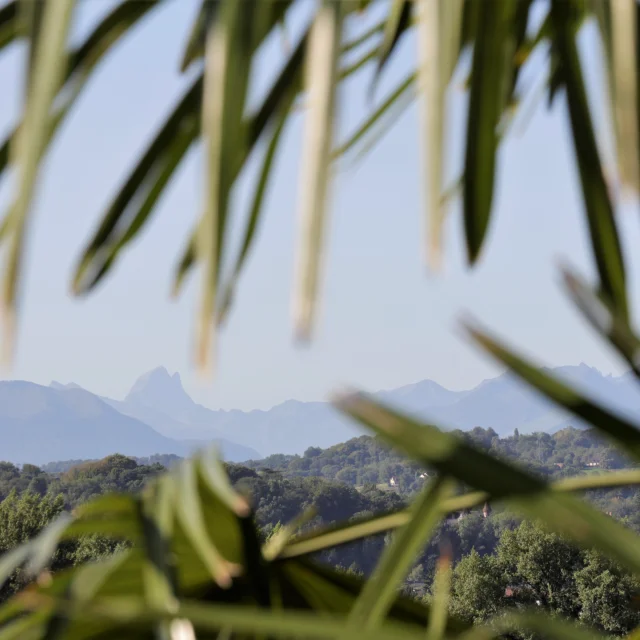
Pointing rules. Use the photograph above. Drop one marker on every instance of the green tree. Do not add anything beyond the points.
(540, 567)
(478, 588)
(607, 595)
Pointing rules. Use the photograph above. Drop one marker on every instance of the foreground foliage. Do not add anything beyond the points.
(194, 556)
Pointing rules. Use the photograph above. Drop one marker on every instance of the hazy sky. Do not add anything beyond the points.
(384, 321)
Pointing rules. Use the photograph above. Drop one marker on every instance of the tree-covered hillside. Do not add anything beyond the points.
(499, 560)
(367, 460)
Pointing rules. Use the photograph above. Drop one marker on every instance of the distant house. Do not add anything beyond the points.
(592, 464)
(560, 465)
(392, 482)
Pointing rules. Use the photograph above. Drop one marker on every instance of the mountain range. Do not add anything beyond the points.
(64, 421)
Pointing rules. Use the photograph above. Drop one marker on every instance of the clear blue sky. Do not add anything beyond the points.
(384, 321)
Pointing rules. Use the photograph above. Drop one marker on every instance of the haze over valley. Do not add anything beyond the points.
(40, 424)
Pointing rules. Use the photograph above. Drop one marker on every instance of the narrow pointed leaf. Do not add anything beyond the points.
(337, 535)
(8, 23)
(396, 561)
(190, 515)
(155, 512)
(625, 92)
(195, 41)
(84, 59)
(528, 494)
(287, 84)
(322, 70)
(522, 48)
(244, 620)
(398, 21)
(228, 55)
(404, 90)
(46, 543)
(158, 156)
(275, 545)
(605, 320)
(364, 37)
(47, 76)
(605, 241)
(13, 559)
(431, 91)
(208, 12)
(254, 214)
(441, 593)
(492, 61)
(139, 209)
(215, 477)
(158, 572)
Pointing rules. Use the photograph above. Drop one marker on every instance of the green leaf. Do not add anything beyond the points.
(364, 37)
(396, 561)
(228, 55)
(397, 22)
(273, 548)
(88, 579)
(605, 319)
(46, 543)
(251, 225)
(13, 559)
(605, 241)
(215, 477)
(31, 143)
(405, 89)
(208, 12)
(242, 619)
(620, 430)
(523, 48)
(441, 593)
(83, 60)
(451, 456)
(158, 572)
(135, 215)
(111, 514)
(282, 90)
(492, 60)
(196, 40)
(8, 23)
(189, 509)
(163, 152)
(322, 70)
(439, 30)
(332, 536)
(624, 42)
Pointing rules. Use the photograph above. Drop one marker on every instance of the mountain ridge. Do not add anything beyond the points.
(502, 403)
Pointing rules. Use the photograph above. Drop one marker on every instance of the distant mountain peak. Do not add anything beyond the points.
(62, 387)
(161, 390)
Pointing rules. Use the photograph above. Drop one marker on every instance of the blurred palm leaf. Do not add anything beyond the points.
(321, 83)
(45, 74)
(500, 38)
(607, 320)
